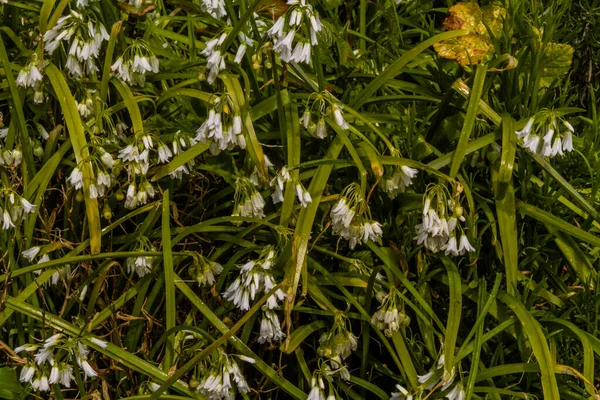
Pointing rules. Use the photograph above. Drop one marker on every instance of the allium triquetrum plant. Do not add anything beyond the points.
(218, 199)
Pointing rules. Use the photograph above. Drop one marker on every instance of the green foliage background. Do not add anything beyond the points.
(517, 318)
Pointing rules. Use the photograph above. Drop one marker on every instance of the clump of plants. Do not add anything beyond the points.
(309, 200)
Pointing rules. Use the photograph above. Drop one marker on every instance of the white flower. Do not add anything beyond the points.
(44, 355)
(321, 129)
(99, 342)
(93, 191)
(317, 390)
(464, 245)
(66, 375)
(29, 76)
(26, 347)
(76, 178)
(7, 222)
(27, 206)
(206, 272)
(164, 154)
(524, 133)
(31, 253)
(88, 371)
(270, 328)
(303, 195)
(457, 393)
(53, 340)
(401, 394)
(339, 118)
(216, 8)
(54, 374)
(41, 384)
(27, 373)
(451, 247)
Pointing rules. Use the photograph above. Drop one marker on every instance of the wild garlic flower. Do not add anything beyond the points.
(398, 181)
(223, 130)
(13, 208)
(31, 253)
(457, 393)
(278, 184)
(85, 105)
(351, 219)
(135, 62)
(338, 341)
(547, 134)
(245, 42)
(295, 32)
(222, 378)
(30, 75)
(216, 8)
(317, 387)
(57, 354)
(255, 277)
(390, 316)
(141, 265)
(270, 328)
(441, 228)
(58, 275)
(215, 57)
(324, 104)
(83, 36)
(403, 394)
(248, 201)
(11, 158)
(203, 270)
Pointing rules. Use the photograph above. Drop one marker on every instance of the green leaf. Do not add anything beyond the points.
(9, 384)
(80, 148)
(556, 62)
(300, 334)
(395, 68)
(539, 345)
(472, 110)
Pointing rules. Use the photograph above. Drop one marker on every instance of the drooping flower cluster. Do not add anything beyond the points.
(398, 180)
(30, 75)
(223, 130)
(295, 32)
(31, 253)
(13, 208)
(545, 136)
(203, 270)
(137, 60)
(215, 57)
(278, 184)
(322, 380)
(324, 105)
(83, 35)
(53, 362)
(142, 265)
(270, 328)
(216, 8)
(390, 316)
(338, 342)
(223, 377)
(9, 158)
(351, 219)
(248, 201)
(441, 227)
(255, 277)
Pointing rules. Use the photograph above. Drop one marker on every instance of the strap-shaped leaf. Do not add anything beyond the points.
(539, 345)
(80, 149)
(234, 89)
